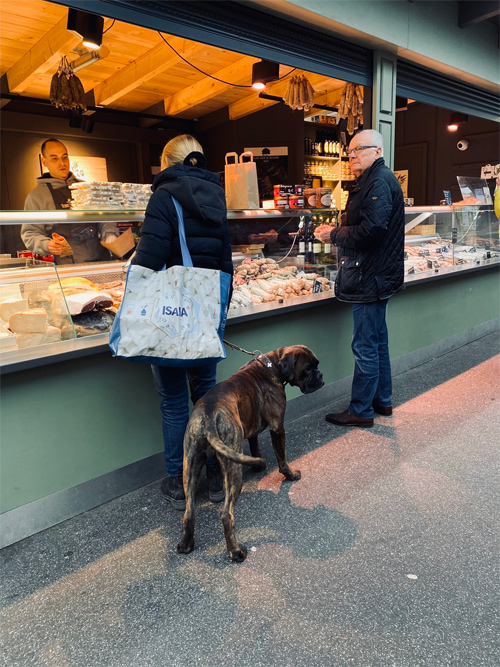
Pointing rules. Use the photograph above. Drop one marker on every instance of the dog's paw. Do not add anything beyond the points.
(239, 554)
(259, 467)
(185, 547)
(291, 475)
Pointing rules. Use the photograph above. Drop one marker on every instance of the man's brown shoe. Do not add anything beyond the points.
(384, 410)
(346, 419)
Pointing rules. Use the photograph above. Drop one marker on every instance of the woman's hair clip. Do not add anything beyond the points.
(195, 159)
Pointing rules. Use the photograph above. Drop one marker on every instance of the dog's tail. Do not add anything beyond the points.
(219, 446)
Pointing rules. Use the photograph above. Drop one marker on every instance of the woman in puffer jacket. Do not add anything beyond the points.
(199, 192)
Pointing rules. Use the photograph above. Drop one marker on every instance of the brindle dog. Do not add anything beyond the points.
(237, 409)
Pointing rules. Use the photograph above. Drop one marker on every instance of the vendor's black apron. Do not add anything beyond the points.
(83, 238)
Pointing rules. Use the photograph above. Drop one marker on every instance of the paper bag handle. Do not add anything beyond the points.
(234, 155)
(246, 154)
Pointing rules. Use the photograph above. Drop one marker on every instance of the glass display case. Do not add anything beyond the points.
(449, 239)
(279, 264)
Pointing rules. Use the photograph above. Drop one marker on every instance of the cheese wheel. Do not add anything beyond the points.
(29, 321)
(11, 306)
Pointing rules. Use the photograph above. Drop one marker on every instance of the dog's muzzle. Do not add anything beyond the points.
(313, 382)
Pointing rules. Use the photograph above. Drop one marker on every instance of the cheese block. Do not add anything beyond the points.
(7, 342)
(29, 321)
(50, 335)
(11, 306)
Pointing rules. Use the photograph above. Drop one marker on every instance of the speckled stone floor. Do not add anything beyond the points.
(384, 553)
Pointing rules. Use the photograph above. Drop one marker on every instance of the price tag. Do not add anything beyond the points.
(454, 234)
(317, 287)
(447, 197)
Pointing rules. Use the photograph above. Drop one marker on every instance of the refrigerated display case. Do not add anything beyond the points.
(272, 274)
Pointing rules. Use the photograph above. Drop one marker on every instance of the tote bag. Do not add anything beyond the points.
(172, 317)
(240, 180)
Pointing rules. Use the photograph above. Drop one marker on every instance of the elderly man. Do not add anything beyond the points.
(371, 269)
(51, 193)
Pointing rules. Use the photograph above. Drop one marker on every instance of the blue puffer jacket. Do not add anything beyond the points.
(371, 238)
(203, 202)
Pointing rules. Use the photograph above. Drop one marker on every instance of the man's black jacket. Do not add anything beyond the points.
(371, 238)
(203, 202)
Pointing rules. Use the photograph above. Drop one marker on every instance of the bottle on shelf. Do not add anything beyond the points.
(317, 244)
(309, 255)
(334, 214)
(301, 239)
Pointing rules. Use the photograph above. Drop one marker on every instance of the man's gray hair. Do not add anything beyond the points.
(375, 139)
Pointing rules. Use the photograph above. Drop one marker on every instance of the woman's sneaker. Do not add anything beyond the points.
(173, 491)
(215, 484)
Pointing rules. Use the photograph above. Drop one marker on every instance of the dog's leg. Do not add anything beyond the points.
(193, 465)
(255, 451)
(233, 482)
(278, 439)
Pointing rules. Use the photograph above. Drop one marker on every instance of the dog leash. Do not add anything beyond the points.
(259, 356)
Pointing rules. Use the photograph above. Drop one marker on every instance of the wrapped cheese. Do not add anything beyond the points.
(29, 321)
(11, 306)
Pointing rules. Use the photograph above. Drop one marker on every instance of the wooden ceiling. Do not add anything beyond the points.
(140, 70)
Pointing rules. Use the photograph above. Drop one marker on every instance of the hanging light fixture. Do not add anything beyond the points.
(455, 120)
(264, 72)
(87, 26)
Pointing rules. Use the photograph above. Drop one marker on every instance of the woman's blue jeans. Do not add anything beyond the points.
(372, 370)
(172, 386)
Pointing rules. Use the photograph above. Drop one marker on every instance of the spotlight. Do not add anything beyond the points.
(87, 26)
(455, 119)
(264, 72)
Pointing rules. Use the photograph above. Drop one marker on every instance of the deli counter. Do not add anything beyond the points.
(63, 311)
(82, 431)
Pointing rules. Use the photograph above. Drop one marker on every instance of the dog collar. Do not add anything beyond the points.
(271, 367)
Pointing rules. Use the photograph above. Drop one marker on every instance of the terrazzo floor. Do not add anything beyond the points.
(386, 552)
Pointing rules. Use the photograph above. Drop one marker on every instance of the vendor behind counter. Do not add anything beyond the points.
(69, 244)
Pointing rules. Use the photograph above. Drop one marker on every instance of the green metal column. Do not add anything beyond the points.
(384, 101)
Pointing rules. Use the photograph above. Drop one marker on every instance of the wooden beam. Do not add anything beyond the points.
(474, 12)
(153, 62)
(42, 57)
(253, 102)
(239, 72)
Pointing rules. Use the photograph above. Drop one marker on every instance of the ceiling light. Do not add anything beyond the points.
(264, 72)
(87, 26)
(455, 119)
(88, 58)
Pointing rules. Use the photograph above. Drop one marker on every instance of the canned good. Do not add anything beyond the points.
(281, 202)
(324, 197)
(310, 197)
(296, 201)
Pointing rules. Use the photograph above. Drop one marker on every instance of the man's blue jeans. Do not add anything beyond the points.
(372, 371)
(172, 386)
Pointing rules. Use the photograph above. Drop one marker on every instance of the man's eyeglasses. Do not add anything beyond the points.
(356, 150)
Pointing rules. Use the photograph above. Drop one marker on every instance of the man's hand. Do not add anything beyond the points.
(323, 233)
(55, 248)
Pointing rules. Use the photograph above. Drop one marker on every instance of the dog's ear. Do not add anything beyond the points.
(287, 366)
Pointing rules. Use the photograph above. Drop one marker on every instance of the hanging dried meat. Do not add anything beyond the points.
(299, 93)
(66, 89)
(351, 106)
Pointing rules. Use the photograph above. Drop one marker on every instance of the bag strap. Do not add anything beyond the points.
(186, 256)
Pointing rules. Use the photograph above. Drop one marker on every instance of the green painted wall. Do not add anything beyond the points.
(65, 424)
(425, 32)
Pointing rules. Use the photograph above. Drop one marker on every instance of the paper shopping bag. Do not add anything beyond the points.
(242, 189)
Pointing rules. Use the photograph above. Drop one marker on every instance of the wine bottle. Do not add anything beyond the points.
(301, 239)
